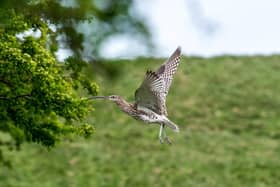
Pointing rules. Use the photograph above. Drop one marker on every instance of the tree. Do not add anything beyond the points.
(40, 97)
(38, 101)
(102, 18)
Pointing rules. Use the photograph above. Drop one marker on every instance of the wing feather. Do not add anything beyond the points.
(168, 69)
(154, 89)
(148, 94)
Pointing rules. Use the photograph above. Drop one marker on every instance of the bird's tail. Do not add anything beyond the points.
(172, 125)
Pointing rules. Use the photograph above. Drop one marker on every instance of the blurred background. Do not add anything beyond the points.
(204, 28)
(225, 94)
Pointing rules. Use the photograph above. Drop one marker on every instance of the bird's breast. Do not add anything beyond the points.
(150, 117)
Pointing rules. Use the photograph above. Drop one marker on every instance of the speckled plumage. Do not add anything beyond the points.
(150, 97)
(154, 89)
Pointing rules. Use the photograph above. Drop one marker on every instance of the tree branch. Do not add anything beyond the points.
(27, 96)
(8, 83)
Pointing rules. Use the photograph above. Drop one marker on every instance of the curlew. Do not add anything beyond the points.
(150, 97)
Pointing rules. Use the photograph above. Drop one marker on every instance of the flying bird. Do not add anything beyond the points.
(150, 98)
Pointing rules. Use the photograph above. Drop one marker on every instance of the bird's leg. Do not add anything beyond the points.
(160, 133)
(165, 136)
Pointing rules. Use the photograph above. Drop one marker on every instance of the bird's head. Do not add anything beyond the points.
(114, 97)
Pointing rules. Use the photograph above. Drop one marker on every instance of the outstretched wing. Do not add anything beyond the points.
(152, 92)
(168, 69)
(149, 94)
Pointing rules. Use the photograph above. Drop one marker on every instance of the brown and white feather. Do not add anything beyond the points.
(168, 69)
(154, 89)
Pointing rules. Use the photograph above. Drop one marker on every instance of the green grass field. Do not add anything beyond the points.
(228, 112)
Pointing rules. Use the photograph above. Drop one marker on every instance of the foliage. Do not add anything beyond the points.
(227, 110)
(39, 100)
(80, 23)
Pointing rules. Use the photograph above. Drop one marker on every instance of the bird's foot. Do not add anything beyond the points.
(167, 140)
(166, 137)
(161, 140)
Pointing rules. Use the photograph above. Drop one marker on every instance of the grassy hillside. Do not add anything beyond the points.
(228, 112)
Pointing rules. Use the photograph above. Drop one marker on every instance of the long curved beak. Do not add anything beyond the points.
(99, 97)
